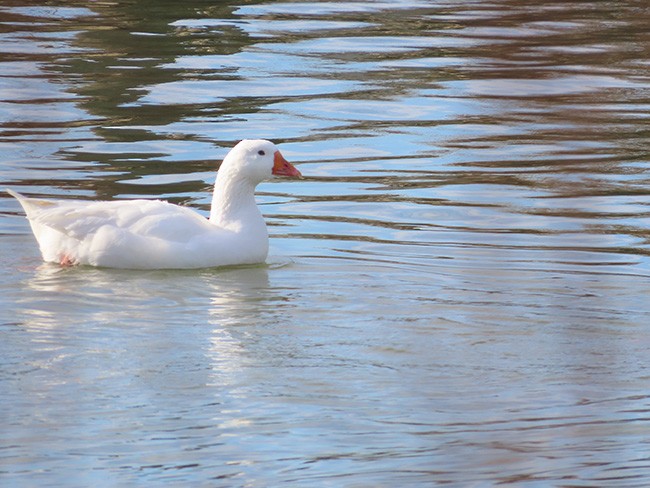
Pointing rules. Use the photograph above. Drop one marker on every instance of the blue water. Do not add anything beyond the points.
(456, 293)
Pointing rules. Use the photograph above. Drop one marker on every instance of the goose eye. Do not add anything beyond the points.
(261, 153)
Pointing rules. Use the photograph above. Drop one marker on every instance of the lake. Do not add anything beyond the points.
(457, 293)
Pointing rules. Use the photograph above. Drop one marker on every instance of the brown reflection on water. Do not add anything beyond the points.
(542, 82)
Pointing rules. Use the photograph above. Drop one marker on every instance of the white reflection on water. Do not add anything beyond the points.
(232, 311)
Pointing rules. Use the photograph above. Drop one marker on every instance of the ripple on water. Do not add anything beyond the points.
(456, 291)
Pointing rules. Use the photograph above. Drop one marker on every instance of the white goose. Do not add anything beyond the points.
(152, 234)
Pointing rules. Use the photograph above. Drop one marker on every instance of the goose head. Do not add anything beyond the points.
(256, 160)
(248, 163)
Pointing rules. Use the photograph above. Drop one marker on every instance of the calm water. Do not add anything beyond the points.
(457, 293)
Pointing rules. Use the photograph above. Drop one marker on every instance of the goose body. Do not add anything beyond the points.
(152, 234)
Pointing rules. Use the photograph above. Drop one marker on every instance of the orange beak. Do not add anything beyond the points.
(283, 167)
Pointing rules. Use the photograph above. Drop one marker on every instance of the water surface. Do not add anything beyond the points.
(456, 293)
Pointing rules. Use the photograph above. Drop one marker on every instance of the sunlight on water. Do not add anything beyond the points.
(456, 292)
